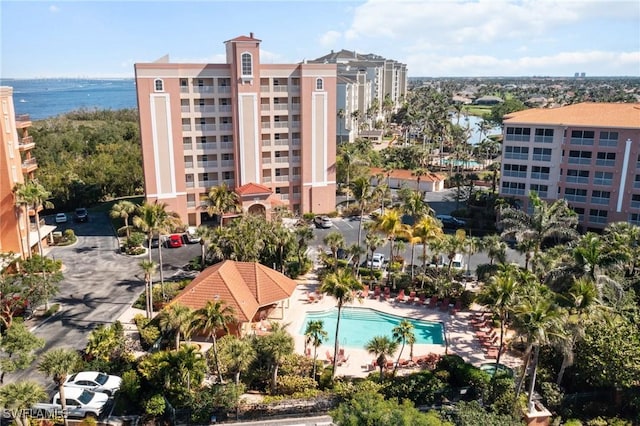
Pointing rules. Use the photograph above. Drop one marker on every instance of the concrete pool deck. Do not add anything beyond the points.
(459, 333)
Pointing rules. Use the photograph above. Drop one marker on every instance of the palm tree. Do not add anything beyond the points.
(221, 200)
(363, 194)
(539, 320)
(123, 209)
(428, 230)
(341, 115)
(373, 241)
(20, 397)
(454, 244)
(241, 354)
(402, 333)
(547, 221)
(315, 334)
(58, 363)
(189, 364)
(212, 317)
(278, 343)
(382, 347)
(335, 241)
(34, 196)
(500, 297)
(390, 224)
(178, 319)
(495, 248)
(148, 268)
(342, 285)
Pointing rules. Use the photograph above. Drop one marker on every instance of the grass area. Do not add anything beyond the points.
(477, 110)
(106, 206)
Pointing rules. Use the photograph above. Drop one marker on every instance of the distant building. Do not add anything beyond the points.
(587, 153)
(242, 122)
(488, 100)
(396, 179)
(17, 164)
(375, 81)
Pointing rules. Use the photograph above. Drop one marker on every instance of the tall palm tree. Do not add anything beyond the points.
(34, 196)
(178, 319)
(391, 225)
(402, 333)
(500, 296)
(58, 363)
(363, 194)
(429, 231)
(20, 397)
(278, 343)
(546, 221)
(315, 334)
(215, 316)
(148, 268)
(189, 365)
(539, 320)
(341, 285)
(495, 248)
(221, 200)
(241, 354)
(454, 244)
(382, 347)
(122, 210)
(335, 241)
(373, 241)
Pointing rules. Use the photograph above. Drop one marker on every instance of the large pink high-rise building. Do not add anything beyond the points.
(266, 130)
(587, 153)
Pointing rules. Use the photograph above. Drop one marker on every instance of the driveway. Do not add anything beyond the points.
(99, 285)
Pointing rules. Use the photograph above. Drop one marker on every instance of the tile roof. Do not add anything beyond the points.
(408, 175)
(252, 189)
(620, 115)
(244, 286)
(243, 38)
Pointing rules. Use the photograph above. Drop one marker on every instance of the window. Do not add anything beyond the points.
(606, 178)
(607, 159)
(600, 197)
(519, 134)
(515, 170)
(513, 188)
(574, 194)
(634, 218)
(543, 135)
(597, 216)
(516, 152)
(158, 85)
(608, 139)
(319, 84)
(636, 182)
(577, 176)
(541, 190)
(635, 201)
(541, 154)
(540, 173)
(582, 137)
(580, 212)
(247, 64)
(579, 157)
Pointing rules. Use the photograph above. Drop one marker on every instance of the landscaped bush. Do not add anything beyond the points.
(135, 239)
(52, 310)
(288, 385)
(149, 333)
(486, 271)
(423, 388)
(171, 289)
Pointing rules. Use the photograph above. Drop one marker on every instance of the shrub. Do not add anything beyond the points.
(486, 271)
(53, 309)
(130, 386)
(135, 240)
(288, 385)
(149, 333)
(155, 405)
(69, 235)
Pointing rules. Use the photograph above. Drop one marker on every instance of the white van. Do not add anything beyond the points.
(442, 261)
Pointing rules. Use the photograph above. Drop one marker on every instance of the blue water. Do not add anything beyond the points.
(44, 98)
(359, 325)
(461, 163)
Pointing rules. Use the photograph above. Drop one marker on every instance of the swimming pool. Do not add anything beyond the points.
(359, 325)
(461, 163)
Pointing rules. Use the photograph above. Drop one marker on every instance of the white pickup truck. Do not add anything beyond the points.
(80, 403)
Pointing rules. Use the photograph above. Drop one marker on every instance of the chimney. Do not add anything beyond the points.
(250, 35)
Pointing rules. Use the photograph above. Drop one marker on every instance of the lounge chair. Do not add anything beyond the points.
(456, 308)
(445, 304)
(400, 297)
(421, 300)
(433, 302)
(386, 293)
(342, 360)
(492, 353)
(376, 292)
(329, 357)
(412, 297)
(365, 291)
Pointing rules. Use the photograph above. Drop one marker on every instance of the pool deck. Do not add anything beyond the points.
(459, 333)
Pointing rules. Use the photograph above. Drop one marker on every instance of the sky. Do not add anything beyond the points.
(435, 38)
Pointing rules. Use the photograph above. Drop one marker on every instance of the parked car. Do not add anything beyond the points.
(174, 241)
(81, 215)
(450, 222)
(322, 222)
(155, 242)
(94, 381)
(191, 236)
(376, 261)
(80, 403)
(441, 261)
(61, 218)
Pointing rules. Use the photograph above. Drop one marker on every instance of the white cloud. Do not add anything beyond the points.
(54, 9)
(329, 39)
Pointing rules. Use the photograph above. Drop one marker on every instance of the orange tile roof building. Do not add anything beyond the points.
(240, 122)
(427, 182)
(254, 291)
(16, 164)
(587, 153)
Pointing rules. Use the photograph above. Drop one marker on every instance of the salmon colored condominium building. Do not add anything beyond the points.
(266, 130)
(587, 153)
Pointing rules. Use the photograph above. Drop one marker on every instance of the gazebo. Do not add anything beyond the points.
(255, 292)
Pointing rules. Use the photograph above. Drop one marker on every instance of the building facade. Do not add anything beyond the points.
(587, 153)
(242, 122)
(18, 233)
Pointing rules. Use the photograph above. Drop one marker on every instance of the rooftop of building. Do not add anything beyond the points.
(615, 115)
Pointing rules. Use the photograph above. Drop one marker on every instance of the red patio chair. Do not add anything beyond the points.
(433, 302)
(412, 297)
(400, 297)
(445, 304)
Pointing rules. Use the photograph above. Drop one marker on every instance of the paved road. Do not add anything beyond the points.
(99, 285)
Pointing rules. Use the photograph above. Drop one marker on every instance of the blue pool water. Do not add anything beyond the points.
(359, 325)
(460, 163)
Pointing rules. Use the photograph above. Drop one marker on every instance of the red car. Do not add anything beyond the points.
(174, 241)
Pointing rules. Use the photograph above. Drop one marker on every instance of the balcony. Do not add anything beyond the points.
(265, 107)
(23, 120)
(186, 127)
(26, 143)
(229, 182)
(266, 160)
(226, 126)
(205, 127)
(282, 159)
(187, 146)
(295, 107)
(227, 163)
(206, 164)
(266, 142)
(208, 146)
(190, 184)
(295, 124)
(295, 159)
(295, 142)
(206, 109)
(266, 179)
(184, 89)
(264, 88)
(224, 89)
(224, 108)
(281, 107)
(295, 178)
(281, 124)
(29, 165)
(281, 142)
(188, 164)
(282, 178)
(203, 89)
(191, 203)
(266, 125)
(581, 141)
(226, 145)
(281, 88)
(185, 108)
(284, 197)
